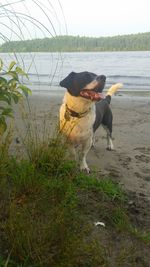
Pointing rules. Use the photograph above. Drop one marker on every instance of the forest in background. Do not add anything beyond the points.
(132, 42)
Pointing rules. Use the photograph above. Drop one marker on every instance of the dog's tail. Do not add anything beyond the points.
(114, 88)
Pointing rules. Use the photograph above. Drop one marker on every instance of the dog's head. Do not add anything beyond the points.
(85, 84)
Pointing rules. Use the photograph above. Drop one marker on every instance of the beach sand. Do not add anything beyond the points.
(129, 163)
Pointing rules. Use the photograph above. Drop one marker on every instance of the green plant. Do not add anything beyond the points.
(48, 214)
(49, 210)
(109, 189)
(11, 90)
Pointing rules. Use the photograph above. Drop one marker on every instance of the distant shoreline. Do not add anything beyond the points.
(67, 43)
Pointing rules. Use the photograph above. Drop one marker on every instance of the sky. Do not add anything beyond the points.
(107, 17)
(29, 19)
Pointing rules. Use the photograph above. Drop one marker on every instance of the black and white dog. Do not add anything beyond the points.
(80, 116)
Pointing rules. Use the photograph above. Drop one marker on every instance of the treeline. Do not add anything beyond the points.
(132, 42)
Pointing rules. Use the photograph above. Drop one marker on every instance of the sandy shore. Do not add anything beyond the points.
(129, 163)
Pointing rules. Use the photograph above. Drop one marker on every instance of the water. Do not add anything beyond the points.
(45, 70)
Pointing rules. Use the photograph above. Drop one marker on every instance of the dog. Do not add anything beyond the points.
(80, 116)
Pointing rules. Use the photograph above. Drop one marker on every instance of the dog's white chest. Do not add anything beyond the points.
(77, 129)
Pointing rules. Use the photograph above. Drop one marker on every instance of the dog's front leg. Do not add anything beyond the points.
(72, 152)
(85, 149)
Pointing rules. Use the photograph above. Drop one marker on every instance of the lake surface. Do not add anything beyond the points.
(45, 70)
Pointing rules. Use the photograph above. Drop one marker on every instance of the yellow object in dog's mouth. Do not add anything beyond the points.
(91, 95)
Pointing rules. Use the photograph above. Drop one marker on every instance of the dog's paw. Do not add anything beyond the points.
(86, 171)
(110, 145)
(110, 148)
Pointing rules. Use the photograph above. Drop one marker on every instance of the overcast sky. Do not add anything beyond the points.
(82, 17)
(106, 17)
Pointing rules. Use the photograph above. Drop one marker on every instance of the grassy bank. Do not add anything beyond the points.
(49, 210)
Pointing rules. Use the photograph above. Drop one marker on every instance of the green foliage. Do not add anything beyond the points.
(48, 213)
(145, 236)
(49, 210)
(106, 186)
(132, 42)
(11, 90)
(42, 222)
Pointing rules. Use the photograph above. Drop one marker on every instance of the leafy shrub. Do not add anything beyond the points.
(11, 90)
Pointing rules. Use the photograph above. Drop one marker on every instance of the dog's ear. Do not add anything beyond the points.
(68, 81)
(70, 84)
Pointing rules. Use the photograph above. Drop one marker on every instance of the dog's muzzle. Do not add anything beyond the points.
(95, 93)
(91, 95)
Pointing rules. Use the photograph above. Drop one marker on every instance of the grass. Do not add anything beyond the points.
(48, 211)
